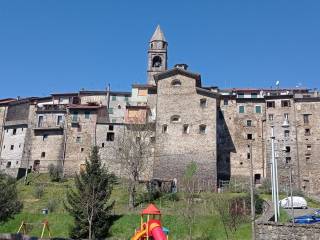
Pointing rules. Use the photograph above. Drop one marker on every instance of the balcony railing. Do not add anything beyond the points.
(48, 126)
(51, 108)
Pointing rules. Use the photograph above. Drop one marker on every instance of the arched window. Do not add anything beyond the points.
(175, 118)
(202, 129)
(176, 83)
(156, 61)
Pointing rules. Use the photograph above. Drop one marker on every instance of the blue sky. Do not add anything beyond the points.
(63, 46)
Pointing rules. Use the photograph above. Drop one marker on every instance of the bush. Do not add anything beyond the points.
(9, 201)
(265, 186)
(258, 202)
(38, 191)
(55, 172)
(52, 205)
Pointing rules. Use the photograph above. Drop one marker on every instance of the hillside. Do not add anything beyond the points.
(207, 223)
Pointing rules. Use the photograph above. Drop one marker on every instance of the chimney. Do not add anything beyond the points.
(181, 66)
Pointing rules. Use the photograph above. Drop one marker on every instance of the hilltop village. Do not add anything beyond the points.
(220, 130)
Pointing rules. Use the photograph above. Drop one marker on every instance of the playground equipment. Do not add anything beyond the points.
(24, 227)
(151, 228)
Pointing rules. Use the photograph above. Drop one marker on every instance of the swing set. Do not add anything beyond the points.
(24, 227)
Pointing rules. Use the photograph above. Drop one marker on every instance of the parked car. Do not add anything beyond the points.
(317, 213)
(307, 219)
(297, 202)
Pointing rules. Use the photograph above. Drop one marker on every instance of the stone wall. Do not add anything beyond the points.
(278, 231)
(176, 148)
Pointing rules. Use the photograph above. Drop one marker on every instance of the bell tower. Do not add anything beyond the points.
(157, 55)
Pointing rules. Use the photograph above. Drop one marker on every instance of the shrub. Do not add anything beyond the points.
(38, 191)
(55, 172)
(52, 205)
(9, 201)
(258, 202)
(265, 186)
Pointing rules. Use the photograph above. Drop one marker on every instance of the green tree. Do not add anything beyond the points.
(89, 202)
(9, 202)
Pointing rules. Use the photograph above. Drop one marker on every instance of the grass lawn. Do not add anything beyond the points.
(207, 223)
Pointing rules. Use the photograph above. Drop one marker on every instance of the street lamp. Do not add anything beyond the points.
(274, 178)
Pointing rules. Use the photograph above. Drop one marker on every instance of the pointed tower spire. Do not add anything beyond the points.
(157, 55)
(158, 35)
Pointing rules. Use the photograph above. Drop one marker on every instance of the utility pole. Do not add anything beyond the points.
(274, 178)
(253, 205)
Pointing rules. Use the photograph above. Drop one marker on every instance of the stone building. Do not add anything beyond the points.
(221, 130)
(185, 126)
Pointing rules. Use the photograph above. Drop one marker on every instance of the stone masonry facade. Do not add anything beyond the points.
(221, 130)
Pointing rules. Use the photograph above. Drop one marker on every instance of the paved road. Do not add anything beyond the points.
(300, 212)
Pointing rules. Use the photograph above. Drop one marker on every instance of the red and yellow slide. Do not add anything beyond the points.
(151, 228)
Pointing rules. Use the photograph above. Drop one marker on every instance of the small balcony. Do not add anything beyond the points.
(48, 126)
(51, 108)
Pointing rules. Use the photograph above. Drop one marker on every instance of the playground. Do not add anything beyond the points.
(126, 222)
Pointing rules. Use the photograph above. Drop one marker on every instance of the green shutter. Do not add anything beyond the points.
(258, 109)
(110, 110)
(241, 109)
(114, 98)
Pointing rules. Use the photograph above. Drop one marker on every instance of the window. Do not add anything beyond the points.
(286, 133)
(258, 109)
(21, 129)
(11, 147)
(306, 118)
(270, 117)
(156, 61)
(75, 117)
(153, 139)
(285, 103)
(307, 159)
(248, 155)
(40, 121)
(114, 120)
(86, 115)
(164, 128)
(82, 149)
(126, 98)
(43, 154)
(44, 137)
(287, 149)
(4, 146)
(142, 92)
(288, 160)
(202, 129)
(8, 165)
(240, 95)
(249, 123)
(102, 145)
(176, 83)
(111, 127)
(286, 116)
(114, 98)
(14, 131)
(175, 118)
(203, 102)
(59, 120)
(254, 95)
(241, 109)
(110, 136)
(257, 178)
(185, 128)
(79, 128)
(307, 132)
(138, 139)
(271, 104)
(110, 110)
(249, 136)
(225, 102)
(119, 106)
(78, 140)
(309, 147)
